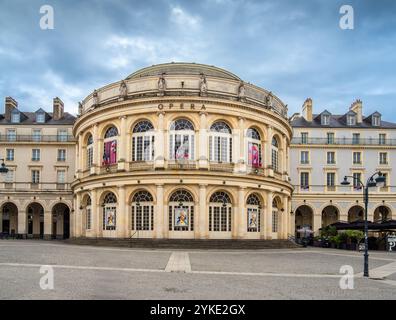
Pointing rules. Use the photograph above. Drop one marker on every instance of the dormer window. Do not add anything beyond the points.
(325, 119)
(376, 121)
(40, 117)
(351, 120)
(15, 116)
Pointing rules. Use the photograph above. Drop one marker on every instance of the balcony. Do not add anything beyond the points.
(35, 138)
(221, 166)
(322, 189)
(182, 165)
(344, 141)
(29, 186)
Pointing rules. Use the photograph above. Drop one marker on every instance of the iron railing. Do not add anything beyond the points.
(36, 138)
(30, 186)
(344, 141)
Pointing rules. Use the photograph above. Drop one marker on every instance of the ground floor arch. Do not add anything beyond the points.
(9, 219)
(303, 218)
(60, 223)
(382, 213)
(330, 215)
(355, 213)
(35, 220)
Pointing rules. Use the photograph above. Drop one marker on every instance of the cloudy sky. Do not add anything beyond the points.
(294, 48)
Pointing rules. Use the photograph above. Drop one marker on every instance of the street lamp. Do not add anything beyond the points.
(376, 179)
(3, 168)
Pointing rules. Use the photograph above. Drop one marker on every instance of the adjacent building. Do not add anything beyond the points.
(38, 148)
(325, 148)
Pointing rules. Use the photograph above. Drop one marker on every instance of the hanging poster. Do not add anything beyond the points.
(110, 152)
(254, 155)
(253, 219)
(181, 217)
(110, 217)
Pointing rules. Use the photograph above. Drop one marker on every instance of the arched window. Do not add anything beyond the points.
(89, 151)
(181, 140)
(220, 142)
(275, 216)
(220, 212)
(143, 141)
(253, 206)
(110, 146)
(181, 211)
(88, 213)
(254, 148)
(142, 211)
(109, 211)
(275, 154)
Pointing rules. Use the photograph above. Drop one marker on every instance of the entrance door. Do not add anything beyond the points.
(6, 226)
(66, 225)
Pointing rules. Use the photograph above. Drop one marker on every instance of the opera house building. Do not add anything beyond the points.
(182, 150)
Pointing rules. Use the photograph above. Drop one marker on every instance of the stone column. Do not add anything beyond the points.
(122, 214)
(268, 216)
(201, 230)
(317, 222)
(47, 225)
(123, 144)
(242, 222)
(96, 158)
(159, 143)
(242, 152)
(1, 220)
(159, 214)
(268, 152)
(22, 222)
(78, 214)
(95, 215)
(80, 154)
(203, 141)
(285, 218)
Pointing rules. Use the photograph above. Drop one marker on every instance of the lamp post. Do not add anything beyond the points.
(3, 168)
(371, 182)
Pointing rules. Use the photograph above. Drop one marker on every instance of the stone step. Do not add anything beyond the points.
(187, 243)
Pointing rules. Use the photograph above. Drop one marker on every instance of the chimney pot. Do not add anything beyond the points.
(10, 104)
(58, 109)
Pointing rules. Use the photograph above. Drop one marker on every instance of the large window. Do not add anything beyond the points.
(10, 153)
(88, 214)
(109, 211)
(331, 157)
(89, 151)
(275, 154)
(253, 207)
(36, 136)
(357, 177)
(275, 216)
(61, 155)
(254, 148)
(357, 158)
(304, 180)
(35, 176)
(143, 141)
(110, 147)
(304, 157)
(181, 140)
(35, 154)
(220, 142)
(62, 135)
(181, 211)
(142, 211)
(220, 212)
(11, 135)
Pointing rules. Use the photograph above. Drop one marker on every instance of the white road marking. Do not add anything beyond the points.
(178, 262)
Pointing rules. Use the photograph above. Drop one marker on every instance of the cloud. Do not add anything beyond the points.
(184, 20)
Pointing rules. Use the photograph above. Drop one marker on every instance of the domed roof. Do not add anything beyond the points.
(182, 68)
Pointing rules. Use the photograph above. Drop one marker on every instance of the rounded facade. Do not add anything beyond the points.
(182, 150)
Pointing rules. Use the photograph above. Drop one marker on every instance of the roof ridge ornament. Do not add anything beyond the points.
(123, 90)
(241, 92)
(203, 86)
(161, 85)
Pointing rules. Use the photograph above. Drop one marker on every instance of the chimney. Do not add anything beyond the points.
(10, 104)
(58, 109)
(357, 107)
(307, 110)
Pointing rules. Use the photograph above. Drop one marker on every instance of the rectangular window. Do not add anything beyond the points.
(35, 176)
(304, 180)
(356, 138)
(330, 138)
(89, 156)
(351, 120)
(61, 154)
(11, 135)
(40, 117)
(61, 176)
(35, 154)
(383, 159)
(357, 158)
(357, 177)
(382, 139)
(275, 220)
(89, 218)
(10, 154)
(15, 117)
(9, 177)
(36, 136)
(325, 120)
(304, 137)
(331, 157)
(304, 157)
(376, 121)
(62, 135)
(330, 180)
